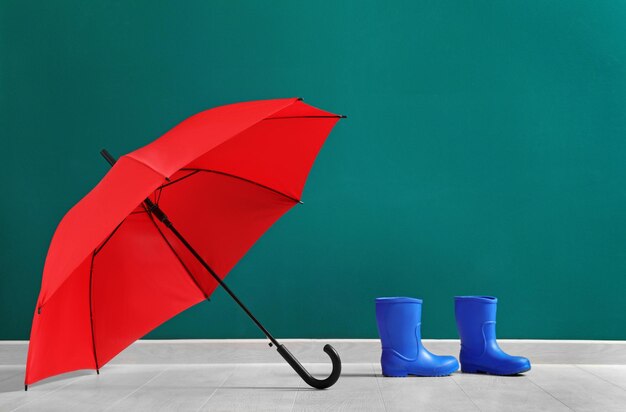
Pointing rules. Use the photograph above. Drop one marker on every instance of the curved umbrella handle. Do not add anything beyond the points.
(305, 375)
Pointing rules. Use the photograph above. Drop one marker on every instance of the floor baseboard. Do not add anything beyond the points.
(351, 351)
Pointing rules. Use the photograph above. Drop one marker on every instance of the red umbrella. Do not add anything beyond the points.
(121, 261)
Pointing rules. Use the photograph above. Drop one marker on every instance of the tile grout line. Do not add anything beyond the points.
(135, 391)
(380, 392)
(293, 404)
(47, 393)
(600, 377)
(465, 393)
(550, 394)
(216, 389)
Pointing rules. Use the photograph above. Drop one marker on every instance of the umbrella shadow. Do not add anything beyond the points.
(273, 388)
(378, 375)
(359, 375)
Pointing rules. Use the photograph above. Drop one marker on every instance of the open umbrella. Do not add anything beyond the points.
(165, 225)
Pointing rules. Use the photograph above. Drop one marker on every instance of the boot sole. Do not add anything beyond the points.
(404, 374)
(421, 376)
(479, 371)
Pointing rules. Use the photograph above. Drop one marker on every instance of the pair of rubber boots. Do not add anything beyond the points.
(399, 324)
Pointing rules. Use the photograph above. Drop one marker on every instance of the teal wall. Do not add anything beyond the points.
(484, 152)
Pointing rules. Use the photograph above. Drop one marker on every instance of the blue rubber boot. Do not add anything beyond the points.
(399, 323)
(480, 353)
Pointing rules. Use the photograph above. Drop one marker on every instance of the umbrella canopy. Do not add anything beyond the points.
(114, 271)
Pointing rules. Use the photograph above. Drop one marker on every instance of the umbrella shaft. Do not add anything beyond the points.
(159, 214)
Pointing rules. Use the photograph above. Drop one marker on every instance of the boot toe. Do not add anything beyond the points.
(508, 365)
(447, 365)
(519, 364)
(511, 365)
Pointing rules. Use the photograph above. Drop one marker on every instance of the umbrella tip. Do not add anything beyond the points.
(300, 99)
(343, 116)
(301, 202)
(107, 156)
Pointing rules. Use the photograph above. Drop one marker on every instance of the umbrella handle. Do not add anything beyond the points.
(305, 375)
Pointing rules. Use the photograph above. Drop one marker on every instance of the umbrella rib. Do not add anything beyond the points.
(95, 252)
(176, 254)
(93, 257)
(99, 248)
(93, 336)
(245, 180)
(336, 116)
(179, 179)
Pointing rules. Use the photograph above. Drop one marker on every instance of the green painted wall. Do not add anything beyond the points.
(484, 153)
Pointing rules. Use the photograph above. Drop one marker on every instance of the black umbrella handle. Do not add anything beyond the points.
(305, 375)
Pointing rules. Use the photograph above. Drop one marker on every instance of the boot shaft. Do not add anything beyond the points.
(476, 322)
(399, 320)
(480, 352)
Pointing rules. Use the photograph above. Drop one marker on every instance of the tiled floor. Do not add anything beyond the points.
(275, 387)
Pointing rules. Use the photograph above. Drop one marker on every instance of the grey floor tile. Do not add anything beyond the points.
(94, 392)
(256, 387)
(615, 374)
(578, 389)
(177, 388)
(506, 393)
(419, 393)
(9, 375)
(276, 387)
(13, 396)
(356, 390)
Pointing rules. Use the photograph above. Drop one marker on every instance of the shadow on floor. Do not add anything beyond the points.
(273, 388)
(358, 375)
(375, 375)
